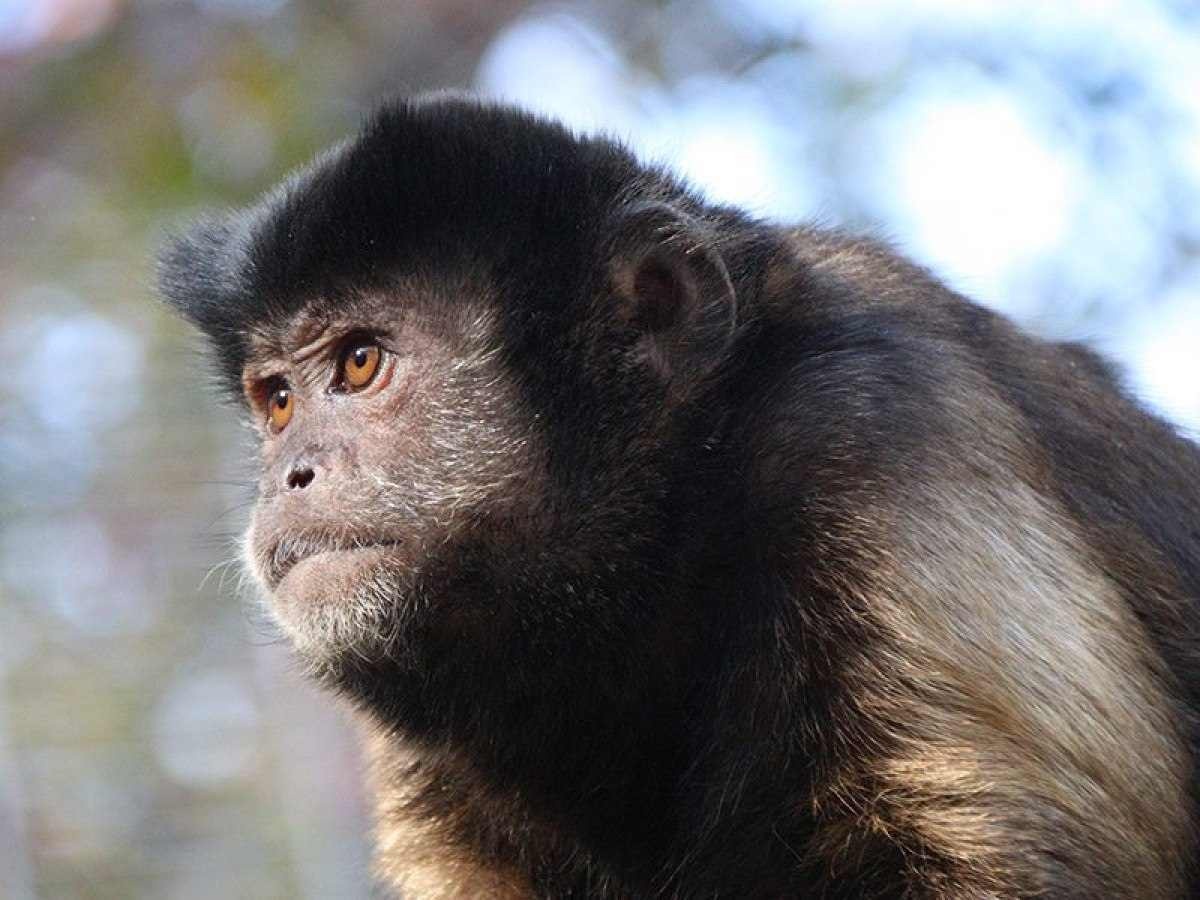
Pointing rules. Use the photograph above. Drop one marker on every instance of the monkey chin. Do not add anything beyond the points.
(338, 602)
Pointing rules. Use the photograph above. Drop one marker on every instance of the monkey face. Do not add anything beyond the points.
(476, 377)
(384, 432)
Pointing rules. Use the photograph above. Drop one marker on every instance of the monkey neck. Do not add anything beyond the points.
(543, 819)
(579, 771)
(521, 800)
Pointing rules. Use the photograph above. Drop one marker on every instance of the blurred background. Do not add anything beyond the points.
(155, 740)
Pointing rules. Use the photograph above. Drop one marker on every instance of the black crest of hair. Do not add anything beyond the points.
(890, 599)
(416, 192)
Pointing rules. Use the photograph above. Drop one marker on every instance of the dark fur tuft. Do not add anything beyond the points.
(416, 192)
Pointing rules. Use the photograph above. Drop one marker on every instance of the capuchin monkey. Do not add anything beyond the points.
(668, 552)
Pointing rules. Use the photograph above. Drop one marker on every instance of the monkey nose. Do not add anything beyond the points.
(300, 477)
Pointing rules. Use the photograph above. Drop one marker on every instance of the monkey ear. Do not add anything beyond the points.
(671, 285)
(200, 275)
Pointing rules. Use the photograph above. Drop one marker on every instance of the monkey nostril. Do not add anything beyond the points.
(300, 477)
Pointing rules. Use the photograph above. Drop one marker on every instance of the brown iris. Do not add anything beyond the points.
(280, 407)
(360, 364)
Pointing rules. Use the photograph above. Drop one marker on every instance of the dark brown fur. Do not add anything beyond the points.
(722, 559)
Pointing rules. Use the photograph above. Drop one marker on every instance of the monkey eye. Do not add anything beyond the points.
(360, 363)
(280, 405)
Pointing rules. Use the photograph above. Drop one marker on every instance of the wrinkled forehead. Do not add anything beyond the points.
(271, 340)
(459, 309)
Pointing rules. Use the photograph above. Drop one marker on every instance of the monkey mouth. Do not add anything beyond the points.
(289, 552)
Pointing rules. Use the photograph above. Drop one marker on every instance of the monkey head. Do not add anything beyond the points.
(474, 349)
